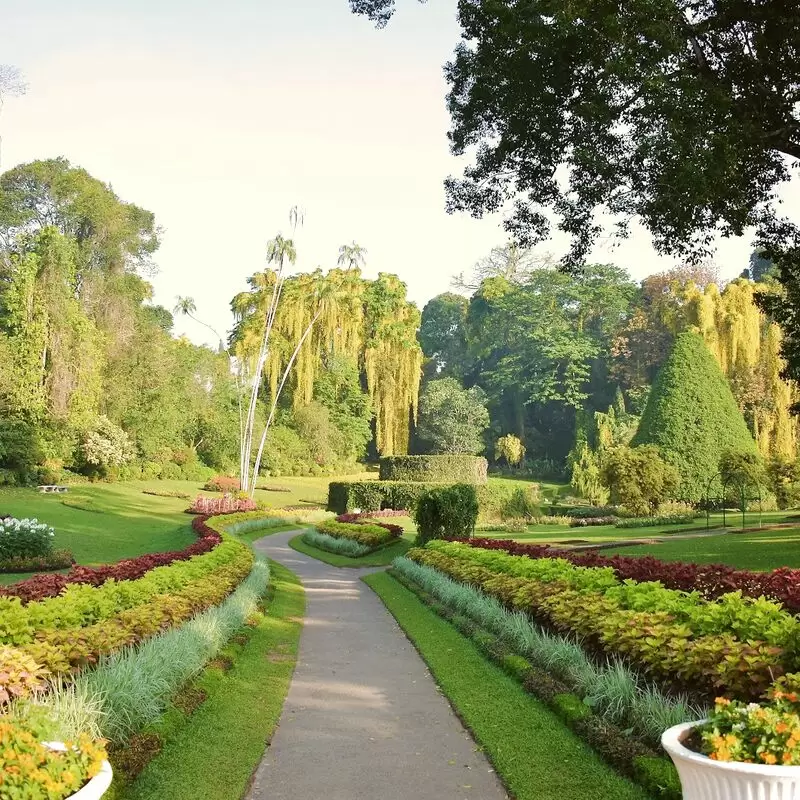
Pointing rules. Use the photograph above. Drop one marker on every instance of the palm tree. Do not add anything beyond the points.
(352, 255)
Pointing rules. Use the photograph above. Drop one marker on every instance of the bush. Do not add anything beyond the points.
(434, 469)
(24, 538)
(222, 483)
(337, 545)
(639, 478)
(55, 559)
(587, 512)
(370, 535)
(450, 511)
(20, 675)
(647, 522)
(590, 522)
(222, 505)
(522, 503)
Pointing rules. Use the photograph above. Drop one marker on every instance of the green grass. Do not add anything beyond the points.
(537, 757)
(212, 753)
(380, 558)
(123, 522)
(757, 551)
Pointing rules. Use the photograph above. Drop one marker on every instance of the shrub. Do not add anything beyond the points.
(586, 512)
(590, 522)
(222, 483)
(372, 536)
(648, 522)
(106, 445)
(32, 770)
(344, 496)
(450, 511)
(160, 493)
(510, 449)
(692, 417)
(24, 538)
(522, 503)
(638, 478)
(434, 469)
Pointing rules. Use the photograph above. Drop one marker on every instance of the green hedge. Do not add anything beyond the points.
(435, 469)
(344, 496)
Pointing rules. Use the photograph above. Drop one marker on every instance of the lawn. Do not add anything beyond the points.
(107, 522)
(757, 551)
(537, 757)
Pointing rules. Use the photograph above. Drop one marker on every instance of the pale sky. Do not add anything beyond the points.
(219, 117)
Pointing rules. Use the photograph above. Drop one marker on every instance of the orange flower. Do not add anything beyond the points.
(781, 727)
(768, 758)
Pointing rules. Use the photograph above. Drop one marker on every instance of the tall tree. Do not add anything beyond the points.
(452, 419)
(692, 417)
(584, 107)
(12, 84)
(442, 335)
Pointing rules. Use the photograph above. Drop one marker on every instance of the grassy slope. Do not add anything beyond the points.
(758, 551)
(379, 558)
(213, 754)
(537, 757)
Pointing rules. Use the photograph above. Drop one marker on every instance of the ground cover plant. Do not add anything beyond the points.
(377, 558)
(711, 580)
(731, 644)
(534, 754)
(370, 535)
(338, 545)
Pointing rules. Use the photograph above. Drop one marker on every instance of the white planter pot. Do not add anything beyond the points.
(705, 779)
(96, 787)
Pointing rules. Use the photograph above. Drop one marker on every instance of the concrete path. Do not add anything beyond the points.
(363, 718)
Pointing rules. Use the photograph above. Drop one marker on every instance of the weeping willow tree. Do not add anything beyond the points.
(746, 345)
(339, 313)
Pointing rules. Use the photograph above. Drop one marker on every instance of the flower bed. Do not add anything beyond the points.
(72, 630)
(227, 504)
(732, 644)
(366, 518)
(372, 536)
(649, 522)
(42, 586)
(25, 538)
(710, 580)
(55, 559)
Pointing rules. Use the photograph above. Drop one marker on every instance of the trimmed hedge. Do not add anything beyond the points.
(344, 496)
(371, 536)
(435, 469)
(446, 511)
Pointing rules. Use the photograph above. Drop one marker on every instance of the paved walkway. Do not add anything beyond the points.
(363, 718)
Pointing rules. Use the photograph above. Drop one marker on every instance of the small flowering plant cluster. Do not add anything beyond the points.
(226, 504)
(24, 538)
(29, 769)
(756, 733)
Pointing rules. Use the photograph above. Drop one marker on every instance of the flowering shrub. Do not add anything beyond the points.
(384, 512)
(222, 505)
(28, 769)
(222, 483)
(755, 733)
(709, 580)
(107, 445)
(42, 586)
(20, 675)
(587, 522)
(24, 538)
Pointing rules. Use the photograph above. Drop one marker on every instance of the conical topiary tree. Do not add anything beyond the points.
(692, 417)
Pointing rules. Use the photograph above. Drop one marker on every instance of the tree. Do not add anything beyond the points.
(638, 478)
(106, 445)
(442, 334)
(510, 449)
(744, 469)
(512, 262)
(352, 256)
(452, 419)
(586, 477)
(692, 417)
(590, 106)
(783, 475)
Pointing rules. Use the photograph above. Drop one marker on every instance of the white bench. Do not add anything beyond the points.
(50, 489)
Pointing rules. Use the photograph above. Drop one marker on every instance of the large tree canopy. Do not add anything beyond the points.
(680, 113)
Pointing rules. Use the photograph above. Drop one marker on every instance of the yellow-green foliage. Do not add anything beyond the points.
(29, 770)
(369, 535)
(20, 675)
(368, 321)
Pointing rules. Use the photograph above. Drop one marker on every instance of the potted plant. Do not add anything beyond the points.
(743, 751)
(55, 770)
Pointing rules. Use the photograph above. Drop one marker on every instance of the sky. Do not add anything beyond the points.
(219, 117)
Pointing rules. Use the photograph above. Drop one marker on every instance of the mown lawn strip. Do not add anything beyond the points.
(212, 753)
(537, 757)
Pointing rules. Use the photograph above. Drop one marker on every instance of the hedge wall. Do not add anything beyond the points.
(344, 496)
(435, 469)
